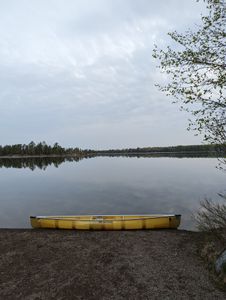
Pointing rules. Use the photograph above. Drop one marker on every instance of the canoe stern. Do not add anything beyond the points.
(174, 221)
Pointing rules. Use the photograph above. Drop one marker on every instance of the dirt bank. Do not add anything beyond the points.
(102, 265)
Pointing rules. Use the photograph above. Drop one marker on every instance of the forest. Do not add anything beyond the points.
(38, 149)
(43, 149)
(169, 149)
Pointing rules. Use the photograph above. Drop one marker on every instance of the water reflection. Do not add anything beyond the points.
(45, 161)
(36, 162)
(105, 185)
(160, 154)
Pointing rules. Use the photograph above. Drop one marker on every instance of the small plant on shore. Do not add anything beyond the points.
(212, 218)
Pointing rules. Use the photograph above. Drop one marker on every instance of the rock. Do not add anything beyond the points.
(220, 263)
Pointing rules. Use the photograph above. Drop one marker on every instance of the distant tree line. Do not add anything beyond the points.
(37, 149)
(170, 149)
(42, 149)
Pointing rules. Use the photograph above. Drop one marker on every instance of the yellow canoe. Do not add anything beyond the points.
(106, 222)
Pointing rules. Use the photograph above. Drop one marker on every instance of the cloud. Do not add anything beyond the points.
(84, 70)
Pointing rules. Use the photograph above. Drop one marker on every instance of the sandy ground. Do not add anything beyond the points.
(42, 264)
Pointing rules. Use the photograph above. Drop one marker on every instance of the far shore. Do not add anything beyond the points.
(39, 156)
(103, 153)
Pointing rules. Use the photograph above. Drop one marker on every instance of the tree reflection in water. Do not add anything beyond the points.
(45, 161)
(36, 162)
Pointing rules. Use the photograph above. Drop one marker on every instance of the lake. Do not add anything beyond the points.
(106, 185)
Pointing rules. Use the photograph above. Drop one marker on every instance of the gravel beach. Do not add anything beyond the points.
(58, 264)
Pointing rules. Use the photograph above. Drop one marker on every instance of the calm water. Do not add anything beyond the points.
(106, 185)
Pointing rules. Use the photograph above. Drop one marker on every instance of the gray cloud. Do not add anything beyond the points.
(82, 72)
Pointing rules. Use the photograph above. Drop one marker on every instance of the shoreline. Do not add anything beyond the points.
(72, 264)
(111, 154)
(41, 156)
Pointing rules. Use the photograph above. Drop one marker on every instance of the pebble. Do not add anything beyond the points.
(220, 262)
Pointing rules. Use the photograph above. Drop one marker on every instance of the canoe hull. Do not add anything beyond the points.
(122, 222)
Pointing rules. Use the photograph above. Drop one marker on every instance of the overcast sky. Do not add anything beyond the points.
(81, 72)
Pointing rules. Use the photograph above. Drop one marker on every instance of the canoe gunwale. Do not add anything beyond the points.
(100, 218)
